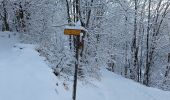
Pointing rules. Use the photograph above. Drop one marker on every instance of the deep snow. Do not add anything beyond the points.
(24, 75)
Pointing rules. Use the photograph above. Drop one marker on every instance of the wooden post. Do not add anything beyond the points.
(77, 40)
(76, 67)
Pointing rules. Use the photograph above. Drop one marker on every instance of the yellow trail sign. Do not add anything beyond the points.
(72, 31)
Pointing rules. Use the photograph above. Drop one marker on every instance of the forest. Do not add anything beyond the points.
(130, 38)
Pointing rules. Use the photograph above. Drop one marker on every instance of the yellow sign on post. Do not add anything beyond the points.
(72, 31)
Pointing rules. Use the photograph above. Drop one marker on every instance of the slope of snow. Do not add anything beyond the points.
(25, 76)
(115, 87)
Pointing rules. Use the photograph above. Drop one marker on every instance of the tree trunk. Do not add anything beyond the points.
(5, 26)
(147, 67)
(135, 47)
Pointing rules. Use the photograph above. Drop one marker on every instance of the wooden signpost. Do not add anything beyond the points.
(75, 31)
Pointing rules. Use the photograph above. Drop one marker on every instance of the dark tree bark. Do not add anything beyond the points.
(69, 21)
(135, 70)
(5, 26)
(168, 67)
(147, 68)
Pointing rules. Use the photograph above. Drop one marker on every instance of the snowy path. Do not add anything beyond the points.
(23, 74)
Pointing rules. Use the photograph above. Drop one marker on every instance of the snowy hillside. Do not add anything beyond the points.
(24, 75)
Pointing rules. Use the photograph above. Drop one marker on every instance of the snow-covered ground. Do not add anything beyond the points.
(24, 75)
